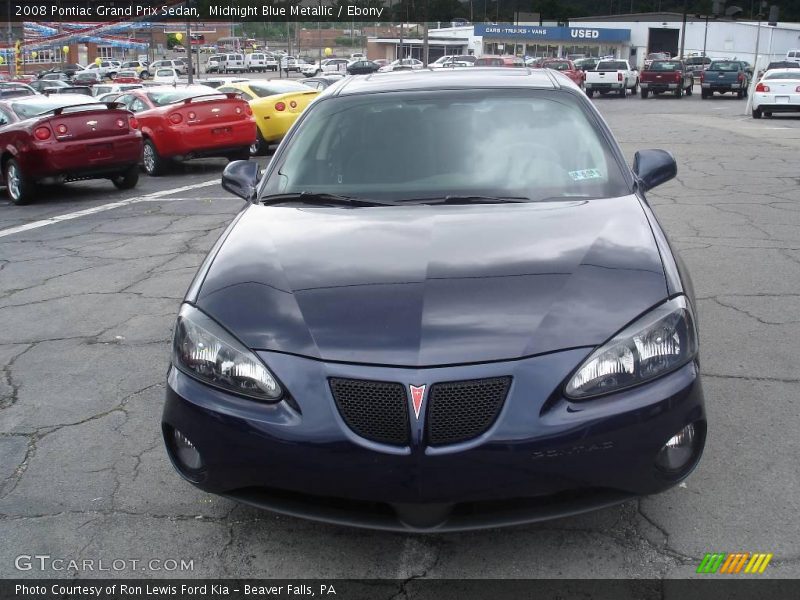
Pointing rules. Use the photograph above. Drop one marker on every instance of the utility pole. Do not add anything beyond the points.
(400, 47)
(683, 31)
(425, 35)
(190, 71)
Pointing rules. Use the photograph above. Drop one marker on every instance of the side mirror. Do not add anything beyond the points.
(240, 178)
(652, 168)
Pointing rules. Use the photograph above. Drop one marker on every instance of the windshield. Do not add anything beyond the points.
(276, 87)
(558, 66)
(612, 65)
(412, 145)
(663, 65)
(791, 76)
(170, 96)
(724, 66)
(26, 110)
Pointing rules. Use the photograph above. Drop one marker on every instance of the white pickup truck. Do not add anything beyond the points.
(612, 76)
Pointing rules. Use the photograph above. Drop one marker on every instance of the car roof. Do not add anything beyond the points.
(435, 79)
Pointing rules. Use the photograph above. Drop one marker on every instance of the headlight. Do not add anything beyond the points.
(661, 341)
(207, 352)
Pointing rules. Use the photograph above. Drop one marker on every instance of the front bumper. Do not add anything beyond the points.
(543, 457)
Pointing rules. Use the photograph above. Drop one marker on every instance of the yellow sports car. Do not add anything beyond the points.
(276, 105)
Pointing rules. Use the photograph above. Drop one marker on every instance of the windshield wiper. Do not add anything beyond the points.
(319, 199)
(454, 199)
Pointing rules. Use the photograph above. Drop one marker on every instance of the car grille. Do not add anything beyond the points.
(462, 410)
(375, 410)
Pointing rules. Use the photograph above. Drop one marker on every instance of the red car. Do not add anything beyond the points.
(567, 67)
(66, 137)
(193, 121)
(506, 60)
(127, 77)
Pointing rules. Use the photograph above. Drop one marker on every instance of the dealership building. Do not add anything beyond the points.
(629, 37)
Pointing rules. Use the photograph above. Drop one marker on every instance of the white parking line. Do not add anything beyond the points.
(104, 207)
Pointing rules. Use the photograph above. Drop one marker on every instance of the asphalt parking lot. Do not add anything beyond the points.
(91, 280)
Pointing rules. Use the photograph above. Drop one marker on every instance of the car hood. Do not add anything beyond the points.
(434, 285)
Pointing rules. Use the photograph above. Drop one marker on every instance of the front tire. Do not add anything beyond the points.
(690, 90)
(740, 94)
(644, 94)
(19, 187)
(154, 163)
(260, 146)
(127, 179)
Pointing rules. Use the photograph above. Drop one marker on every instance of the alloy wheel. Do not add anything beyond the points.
(12, 175)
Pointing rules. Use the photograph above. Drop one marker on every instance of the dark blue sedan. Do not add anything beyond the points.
(446, 305)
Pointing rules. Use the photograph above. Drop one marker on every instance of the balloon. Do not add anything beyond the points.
(97, 61)
(179, 36)
(34, 54)
(328, 51)
(65, 49)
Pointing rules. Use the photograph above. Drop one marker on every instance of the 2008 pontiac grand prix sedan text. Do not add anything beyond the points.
(447, 305)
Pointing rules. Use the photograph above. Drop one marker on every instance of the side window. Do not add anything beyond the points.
(137, 105)
(126, 99)
(4, 120)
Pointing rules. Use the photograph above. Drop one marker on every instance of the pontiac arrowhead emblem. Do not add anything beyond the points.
(417, 394)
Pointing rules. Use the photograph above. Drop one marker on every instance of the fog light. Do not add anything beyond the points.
(185, 452)
(679, 450)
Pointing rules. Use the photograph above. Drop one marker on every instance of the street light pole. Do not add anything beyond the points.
(752, 90)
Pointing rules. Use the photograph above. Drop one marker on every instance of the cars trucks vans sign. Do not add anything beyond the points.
(555, 34)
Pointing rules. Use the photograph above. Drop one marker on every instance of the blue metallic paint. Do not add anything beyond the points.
(427, 294)
(434, 285)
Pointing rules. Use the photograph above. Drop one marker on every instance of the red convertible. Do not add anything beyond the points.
(567, 67)
(66, 137)
(195, 121)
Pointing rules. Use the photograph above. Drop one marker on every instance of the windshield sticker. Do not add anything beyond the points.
(585, 174)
